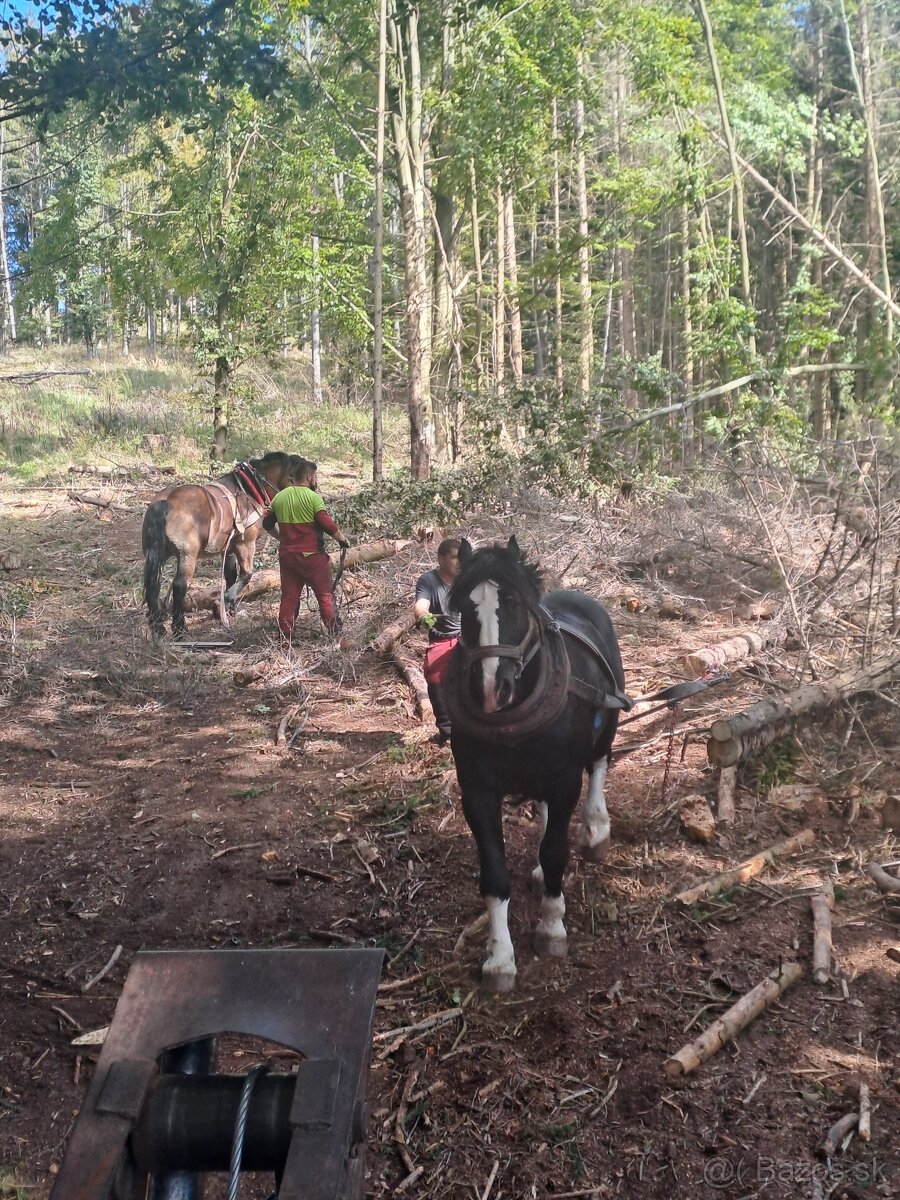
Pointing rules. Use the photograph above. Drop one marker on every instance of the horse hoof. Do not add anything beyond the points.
(594, 853)
(550, 945)
(498, 982)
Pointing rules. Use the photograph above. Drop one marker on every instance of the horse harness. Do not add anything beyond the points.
(230, 518)
(547, 700)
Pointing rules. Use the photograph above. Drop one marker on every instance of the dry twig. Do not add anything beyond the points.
(749, 868)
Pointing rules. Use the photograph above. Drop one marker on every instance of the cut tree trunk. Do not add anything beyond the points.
(711, 658)
(733, 738)
(207, 598)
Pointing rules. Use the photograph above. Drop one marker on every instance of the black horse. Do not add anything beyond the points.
(534, 688)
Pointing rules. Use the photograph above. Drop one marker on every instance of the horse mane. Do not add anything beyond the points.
(505, 567)
(271, 458)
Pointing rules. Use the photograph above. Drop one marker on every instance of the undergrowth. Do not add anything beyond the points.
(104, 418)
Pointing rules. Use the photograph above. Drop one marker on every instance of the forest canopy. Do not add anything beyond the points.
(596, 227)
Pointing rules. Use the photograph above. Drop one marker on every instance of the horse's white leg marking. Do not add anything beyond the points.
(593, 840)
(537, 874)
(499, 970)
(550, 935)
(486, 598)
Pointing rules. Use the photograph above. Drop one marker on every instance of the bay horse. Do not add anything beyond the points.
(534, 688)
(223, 517)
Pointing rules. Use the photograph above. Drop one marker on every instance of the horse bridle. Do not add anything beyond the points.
(523, 652)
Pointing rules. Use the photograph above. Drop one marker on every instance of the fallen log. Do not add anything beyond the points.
(725, 1028)
(206, 598)
(822, 902)
(744, 645)
(887, 883)
(392, 633)
(29, 377)
(412, 673)
(749, 868)
(733, 738)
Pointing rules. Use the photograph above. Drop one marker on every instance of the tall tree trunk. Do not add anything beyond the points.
(746, 294)
(221, 383)
(478, 362)
(624, 253)
(557, 237)
(444, 320)
(512, 295)
(586, 351)
(877, 247)
(378, 256)
(820, 412)
(4, 254)
(500, 298)
(687, 330)
(535, 297)
(446, 350)
(315, 326)
(409, 133)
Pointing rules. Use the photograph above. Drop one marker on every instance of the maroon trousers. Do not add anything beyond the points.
(298, 570)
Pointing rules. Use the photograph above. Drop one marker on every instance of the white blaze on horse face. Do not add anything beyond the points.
(595, 817)
(486, 598)
(500, 966)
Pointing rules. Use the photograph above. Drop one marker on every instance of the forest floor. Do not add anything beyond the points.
(143, 803)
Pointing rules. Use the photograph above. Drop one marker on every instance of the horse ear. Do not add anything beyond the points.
(465, 550)
(513, 545)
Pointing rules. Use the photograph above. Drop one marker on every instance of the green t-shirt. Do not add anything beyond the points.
(296, 506)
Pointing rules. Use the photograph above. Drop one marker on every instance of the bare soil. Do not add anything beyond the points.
(127, 769)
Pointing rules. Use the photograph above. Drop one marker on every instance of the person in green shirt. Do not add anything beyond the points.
(302, 522)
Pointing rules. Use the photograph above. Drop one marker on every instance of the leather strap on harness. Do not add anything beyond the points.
(230, 521)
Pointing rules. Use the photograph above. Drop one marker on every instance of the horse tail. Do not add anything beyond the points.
(154, 546)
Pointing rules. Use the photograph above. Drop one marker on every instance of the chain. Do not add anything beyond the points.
(669, 754)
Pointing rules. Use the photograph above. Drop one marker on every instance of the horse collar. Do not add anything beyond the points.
(543, 704)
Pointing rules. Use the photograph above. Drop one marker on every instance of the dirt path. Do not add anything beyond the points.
(126, 771)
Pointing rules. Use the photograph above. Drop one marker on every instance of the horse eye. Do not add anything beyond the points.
(511, 601)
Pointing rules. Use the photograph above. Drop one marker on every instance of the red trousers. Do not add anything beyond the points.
(298, 570)
(436, 659)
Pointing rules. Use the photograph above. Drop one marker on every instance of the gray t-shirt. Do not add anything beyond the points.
(432, 588)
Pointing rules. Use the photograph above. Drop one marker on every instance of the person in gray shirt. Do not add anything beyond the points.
(433, 612)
